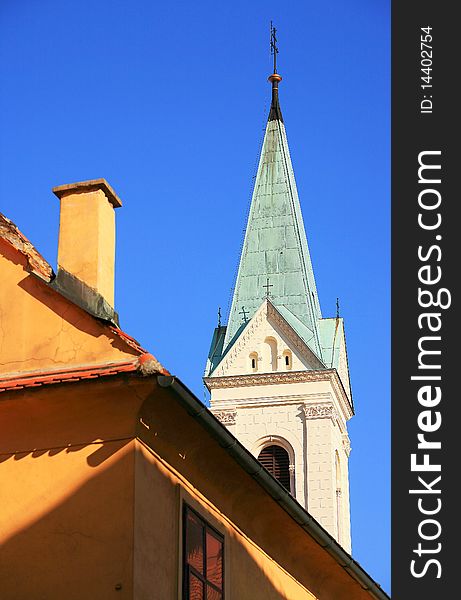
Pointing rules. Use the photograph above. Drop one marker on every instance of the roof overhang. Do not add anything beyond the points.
(276, 490)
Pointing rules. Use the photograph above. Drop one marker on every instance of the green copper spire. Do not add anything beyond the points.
(275, 260)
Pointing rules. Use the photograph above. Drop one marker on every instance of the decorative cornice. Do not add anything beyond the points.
(230, 381)
(264, 401)
(323, 410)
(227, 417)
(285, 377)
(341, 393)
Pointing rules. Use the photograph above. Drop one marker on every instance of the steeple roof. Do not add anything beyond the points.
(275, 246)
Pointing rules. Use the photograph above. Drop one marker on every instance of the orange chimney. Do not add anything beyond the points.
(86, 249)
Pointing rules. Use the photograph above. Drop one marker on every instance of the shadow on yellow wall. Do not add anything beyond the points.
(82, 547)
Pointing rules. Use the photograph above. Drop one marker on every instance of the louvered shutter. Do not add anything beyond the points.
(276, 460)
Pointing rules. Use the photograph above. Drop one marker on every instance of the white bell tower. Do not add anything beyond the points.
(278, 372)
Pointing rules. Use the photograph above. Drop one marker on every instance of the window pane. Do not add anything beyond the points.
(194, 542)
(212, 594)
(214, 551)
(195, 588)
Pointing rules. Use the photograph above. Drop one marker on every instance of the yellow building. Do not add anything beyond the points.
(115, 480)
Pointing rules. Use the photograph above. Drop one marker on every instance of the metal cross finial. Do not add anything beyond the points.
(219, 316)
(274, 49)
(244, 313)
(337, 308)
(267, 286)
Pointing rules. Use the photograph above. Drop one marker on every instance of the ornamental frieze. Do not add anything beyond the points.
(227, 417)
(267, 378)
(320, 411)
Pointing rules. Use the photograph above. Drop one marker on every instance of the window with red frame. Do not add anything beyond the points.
(203, 564)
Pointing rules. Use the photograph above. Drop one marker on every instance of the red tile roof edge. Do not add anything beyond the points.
(17, 240)
(145, 364)
(128, 339)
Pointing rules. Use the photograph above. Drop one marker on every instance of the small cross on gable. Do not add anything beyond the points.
(268, 286)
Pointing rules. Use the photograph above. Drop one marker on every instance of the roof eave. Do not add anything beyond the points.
(253, 467)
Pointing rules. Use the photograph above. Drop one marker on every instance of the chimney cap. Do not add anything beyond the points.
(89, 186)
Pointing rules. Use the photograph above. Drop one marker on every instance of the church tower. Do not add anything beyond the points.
(278, 372)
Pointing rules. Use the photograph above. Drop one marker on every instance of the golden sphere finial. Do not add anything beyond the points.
(275, 77)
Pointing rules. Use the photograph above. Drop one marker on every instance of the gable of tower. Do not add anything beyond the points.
(273, 340)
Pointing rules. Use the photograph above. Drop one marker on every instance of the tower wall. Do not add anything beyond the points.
(308, 419)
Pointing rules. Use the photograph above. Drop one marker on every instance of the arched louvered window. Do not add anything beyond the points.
(276, 460)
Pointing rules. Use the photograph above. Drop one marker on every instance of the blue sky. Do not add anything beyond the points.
(168, 102)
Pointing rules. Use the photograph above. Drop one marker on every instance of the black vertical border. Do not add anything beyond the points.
(412, 133)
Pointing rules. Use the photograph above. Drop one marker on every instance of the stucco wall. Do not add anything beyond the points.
(42, 330)
(269, 555)
(308, 416)
(66, 492)
(249, 573)
(90, 513)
